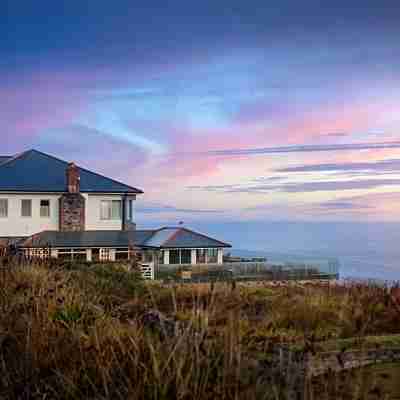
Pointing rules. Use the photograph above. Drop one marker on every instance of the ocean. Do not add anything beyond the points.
(364, 250)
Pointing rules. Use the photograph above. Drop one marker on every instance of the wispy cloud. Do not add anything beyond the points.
(343, 205)
(306, 148)
(157, 208)
(301, 187)
(392, 165)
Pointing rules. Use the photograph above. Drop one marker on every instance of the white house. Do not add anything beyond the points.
(49, 207)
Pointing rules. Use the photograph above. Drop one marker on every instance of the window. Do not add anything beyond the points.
(130, 211)
(95, 255)
(201, 256)
(3, 208)
(186, 256)
(79, 254)
(122, 254)
(65, 254)
(37, 253)
(148, 257)
(180, 256)
(212, 256)
(110, 209)
(45, 208)
(161, 257)
(72, 254)
(105, 255)
(174, 257)
(26, 208)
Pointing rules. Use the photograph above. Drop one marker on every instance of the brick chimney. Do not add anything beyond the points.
(73, 178)
(72, 203)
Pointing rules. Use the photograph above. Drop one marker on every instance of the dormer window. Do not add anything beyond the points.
(3, 208)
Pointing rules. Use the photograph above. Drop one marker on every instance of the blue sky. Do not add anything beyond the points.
(224, 110)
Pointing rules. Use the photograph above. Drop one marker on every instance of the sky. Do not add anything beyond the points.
(219, 110)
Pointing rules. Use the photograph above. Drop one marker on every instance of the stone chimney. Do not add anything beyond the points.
(72, 203)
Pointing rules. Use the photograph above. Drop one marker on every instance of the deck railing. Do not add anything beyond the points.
(253, 270)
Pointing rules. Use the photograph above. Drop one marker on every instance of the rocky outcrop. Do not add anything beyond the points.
(158, 323)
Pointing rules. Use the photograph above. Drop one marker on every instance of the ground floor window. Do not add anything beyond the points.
(95, 255)
(105, 255)
(146, 257)
(65, 254)
(212, 256)
(174, 257)
(122, 254)
(201, 256)
(72, 254)
(79, 254)
(182, 256)
(108, 254)
(186, 256)
(37, 253)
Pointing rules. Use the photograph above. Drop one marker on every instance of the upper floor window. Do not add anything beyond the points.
(3, 208)
(130, 210)
(110, 209)
(26, 208)
(45, 208)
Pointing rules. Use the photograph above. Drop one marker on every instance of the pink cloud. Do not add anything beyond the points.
(37, 104)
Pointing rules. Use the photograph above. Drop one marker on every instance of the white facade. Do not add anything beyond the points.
(16, 225)
(93, 212)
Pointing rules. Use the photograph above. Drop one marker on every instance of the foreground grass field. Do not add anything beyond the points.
(101, 332)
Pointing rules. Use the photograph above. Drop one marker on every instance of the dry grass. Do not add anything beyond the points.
(82, 333)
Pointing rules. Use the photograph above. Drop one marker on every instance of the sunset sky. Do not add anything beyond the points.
(218, 110)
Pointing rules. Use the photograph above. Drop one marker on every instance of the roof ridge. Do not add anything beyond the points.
(173, 236)
(203, 235)
(153, 232)
(15, 157)
(4, 159)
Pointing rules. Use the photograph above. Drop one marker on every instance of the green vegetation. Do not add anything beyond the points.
(376, 382)
(101, 332)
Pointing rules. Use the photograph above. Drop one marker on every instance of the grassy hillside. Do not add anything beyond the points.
(101, 332)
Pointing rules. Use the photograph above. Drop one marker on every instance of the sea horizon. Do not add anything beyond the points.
(365, 250)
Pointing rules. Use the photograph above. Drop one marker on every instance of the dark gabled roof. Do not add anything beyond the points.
(34, 171)
(185, 238)
(87, 239)
(5, 158)
(158, 239)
